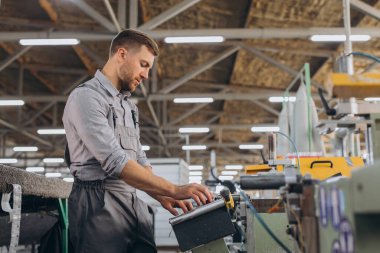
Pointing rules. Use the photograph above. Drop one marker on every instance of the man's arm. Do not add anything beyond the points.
(141, 178)
(169, 203)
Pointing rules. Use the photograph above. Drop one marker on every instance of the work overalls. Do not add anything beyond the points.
(105, 215)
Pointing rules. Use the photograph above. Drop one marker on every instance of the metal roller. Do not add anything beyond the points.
(261, 182)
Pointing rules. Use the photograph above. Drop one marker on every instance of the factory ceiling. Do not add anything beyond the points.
(266, 44)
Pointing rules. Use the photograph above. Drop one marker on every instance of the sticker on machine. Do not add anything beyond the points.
(346, 237)
(323, 206)
(335, 247)
(337, 206)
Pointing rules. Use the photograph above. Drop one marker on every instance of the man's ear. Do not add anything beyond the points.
(122, 52)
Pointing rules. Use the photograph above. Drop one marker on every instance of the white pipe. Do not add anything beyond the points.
(348, 43)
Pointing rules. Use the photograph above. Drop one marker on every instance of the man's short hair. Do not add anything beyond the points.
(132, 38)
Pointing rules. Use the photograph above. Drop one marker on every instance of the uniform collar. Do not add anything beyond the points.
(106, 83)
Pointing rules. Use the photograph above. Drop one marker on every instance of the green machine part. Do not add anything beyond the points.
(349, 212)
(375, 131)
(259, 241)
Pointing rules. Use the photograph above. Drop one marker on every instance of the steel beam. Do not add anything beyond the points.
(275, 63)
(155, 119)
(25, 133)
(121, 12)
(267, 108)
(133, 13)
(228, 33)
(365, 8)
(13, 57)
(91, 12)
(50, 69)
(48, 106)
(112, 14)
(168, 14)
(187, 114)
(196, 71)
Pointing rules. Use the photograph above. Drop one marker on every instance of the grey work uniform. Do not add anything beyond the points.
(103, 134)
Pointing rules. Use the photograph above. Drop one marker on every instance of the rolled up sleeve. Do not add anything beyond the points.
(88, 116)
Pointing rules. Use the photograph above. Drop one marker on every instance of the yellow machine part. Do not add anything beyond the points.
(359, 85)
(326, 167)
(253, 169)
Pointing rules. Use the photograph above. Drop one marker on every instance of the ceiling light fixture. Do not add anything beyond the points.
(53, 174)
(48, 42)
(25, 149)
(251, 146)
(145, 147)
(16, 102)
(226, 177)
(51, 131)
(338, 38)
(8, 160)
(193, 100)
(195, 173)
(195, 39)
(281, 99)
(53, 160)
(195, 167)
(195, 178)
(233, 167)
(187, 130)
(35, 169)
(229, 172)
(194, 147)
(265, 129)
(372, 99)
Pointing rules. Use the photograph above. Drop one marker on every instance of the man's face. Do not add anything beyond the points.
(135, 67)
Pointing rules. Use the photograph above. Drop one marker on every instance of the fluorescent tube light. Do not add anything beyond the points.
(17, 102)
(8, 160)
(195, 167)
(234, 167)
(264, 129)
(53, 160)
(226, 177)
(338, 38)
(185, 130)
(372, 99)
(251, 146)
(229, 172)
(35, 169)
(281, 99)
(145, 147)
(25, 149)
(195, 39)
(193, 100)
(195, 173)
(194, 147)
(68, 179)
(51, 131)
(48, 42)
(195, 181)
(53, 174)
(192, 178)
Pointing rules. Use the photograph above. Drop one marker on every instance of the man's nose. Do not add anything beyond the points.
(144, 74)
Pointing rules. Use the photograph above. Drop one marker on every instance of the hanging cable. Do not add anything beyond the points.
(294, 147)
(262, 222)
(370, 56)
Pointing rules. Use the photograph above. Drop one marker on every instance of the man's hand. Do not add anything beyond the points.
(199, 193)
(170, 204)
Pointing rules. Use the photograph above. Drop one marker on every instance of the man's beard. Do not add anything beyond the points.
(126, 85)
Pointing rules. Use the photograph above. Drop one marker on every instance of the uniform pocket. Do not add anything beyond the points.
(128, 138)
